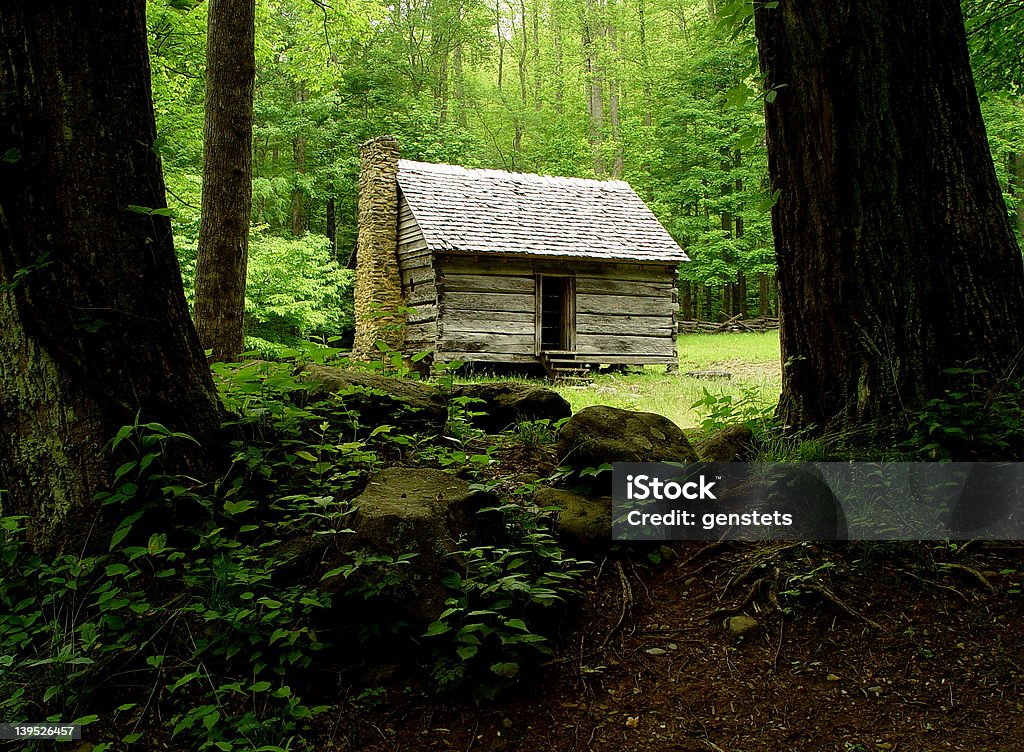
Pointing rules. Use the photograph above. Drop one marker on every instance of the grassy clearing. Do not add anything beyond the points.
(751, 358)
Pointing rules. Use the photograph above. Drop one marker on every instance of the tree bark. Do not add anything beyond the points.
(896, 259)
(94, 327)
(614, 86)
(227, 177)
(644, 65)
(559, 68)
(741, 295)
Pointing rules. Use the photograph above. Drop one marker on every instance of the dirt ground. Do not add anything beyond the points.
(857, 648)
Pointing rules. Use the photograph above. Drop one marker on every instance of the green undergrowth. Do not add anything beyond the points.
(198, 623)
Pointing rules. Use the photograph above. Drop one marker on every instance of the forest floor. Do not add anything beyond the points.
(941, 669)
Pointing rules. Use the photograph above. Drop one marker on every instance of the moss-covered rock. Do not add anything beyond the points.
(416, 511)
(730, 444)
(600, 434)
(411, 405)
(503, 404)
(582, 523)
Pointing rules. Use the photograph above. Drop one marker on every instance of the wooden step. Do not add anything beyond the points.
(562, 367)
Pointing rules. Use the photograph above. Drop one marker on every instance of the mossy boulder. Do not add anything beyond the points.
(730, 444)
(411, 405)
(427, 513)
(503, 404)
(581, 522)
(600, 434)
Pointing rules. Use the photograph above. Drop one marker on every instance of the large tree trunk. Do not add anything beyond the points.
(94, 327)
(896, 257)
(227, 177)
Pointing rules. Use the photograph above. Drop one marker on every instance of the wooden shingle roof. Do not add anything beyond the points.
(488, 211)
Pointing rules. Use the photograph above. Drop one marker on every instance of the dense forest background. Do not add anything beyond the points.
(662, 93)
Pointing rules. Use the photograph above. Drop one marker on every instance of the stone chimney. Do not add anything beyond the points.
(378, 288)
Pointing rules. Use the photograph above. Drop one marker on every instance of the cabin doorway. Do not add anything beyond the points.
(556, 320)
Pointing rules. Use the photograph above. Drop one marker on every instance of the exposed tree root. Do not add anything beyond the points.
(949, 567)
(751, 593)
(936, 585)
(835, 600)
(627, 602)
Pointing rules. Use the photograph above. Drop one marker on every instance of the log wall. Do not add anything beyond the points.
(487, 309)
(416, 264)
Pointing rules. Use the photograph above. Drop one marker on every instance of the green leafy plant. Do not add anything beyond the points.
(537, 433)
(721, 410)
(971, 421)
(489, 630)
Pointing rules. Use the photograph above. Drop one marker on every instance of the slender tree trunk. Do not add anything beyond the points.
(763, 309)
(94, 328)
(517, 141)
(559, 70)
(538, 101)
(896, 259)
(644, 64)
(298, 207)
(1017, 190)
(460, 86)
(614, 86)
(594, 85)
(501, 45)
(441, 89)
(687, 300)
(741, 277)
(741, 295)
(332, 227)
(227, 177)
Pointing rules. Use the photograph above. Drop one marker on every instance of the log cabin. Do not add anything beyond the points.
(500, 267)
